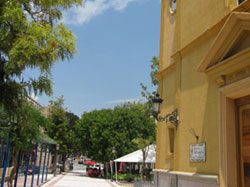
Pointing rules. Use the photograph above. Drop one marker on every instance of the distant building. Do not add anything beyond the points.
(43, 138)
(204, 73)
(44, 110)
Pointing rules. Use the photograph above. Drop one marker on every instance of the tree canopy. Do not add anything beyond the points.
(100, 130)
(143, 145)
(31, 37)
(30, 121)
(61, 128)
(149, 95)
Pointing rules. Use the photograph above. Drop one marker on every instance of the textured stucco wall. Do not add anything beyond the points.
(185, 38)
(168, 33)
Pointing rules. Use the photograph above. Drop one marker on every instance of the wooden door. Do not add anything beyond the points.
(244, 124)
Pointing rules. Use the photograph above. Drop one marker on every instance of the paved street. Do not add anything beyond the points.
(78, 178)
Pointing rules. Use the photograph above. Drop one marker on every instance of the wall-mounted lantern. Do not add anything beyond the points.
(171, 117)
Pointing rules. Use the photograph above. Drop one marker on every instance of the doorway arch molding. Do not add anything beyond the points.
(227, 131)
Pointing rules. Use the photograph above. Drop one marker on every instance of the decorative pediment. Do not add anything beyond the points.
(231, 48)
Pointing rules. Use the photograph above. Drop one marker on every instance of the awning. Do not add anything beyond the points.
(136, 156)
(45, 139)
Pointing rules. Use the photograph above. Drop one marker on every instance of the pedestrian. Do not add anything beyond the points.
(102, 173)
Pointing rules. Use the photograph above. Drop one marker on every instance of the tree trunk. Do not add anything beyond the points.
(13, 171)
(64, 157)
(143, 165)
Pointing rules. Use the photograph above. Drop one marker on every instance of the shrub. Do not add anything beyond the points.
(149, 177)
(129, 177)
(121, 176)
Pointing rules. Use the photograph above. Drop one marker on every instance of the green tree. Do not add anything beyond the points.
(149, 95)
(60, 129)
(72, 119)
(142, 142)
(31, 37)
(100, 130)
(73, 143)
(4, 127)
(143, 145)
(27, 127)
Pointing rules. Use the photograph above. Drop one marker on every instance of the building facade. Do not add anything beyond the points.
(204, 73)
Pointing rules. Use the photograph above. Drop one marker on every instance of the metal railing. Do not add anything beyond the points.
(23, 169)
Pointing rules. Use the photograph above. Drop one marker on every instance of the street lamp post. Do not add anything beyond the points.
(55, 162)
(113, 152)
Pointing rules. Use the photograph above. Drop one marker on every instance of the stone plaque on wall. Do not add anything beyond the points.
(197, 152)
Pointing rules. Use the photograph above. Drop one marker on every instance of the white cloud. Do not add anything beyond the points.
(91, 8)
(119, 4)
(34, 97)
(124, 101)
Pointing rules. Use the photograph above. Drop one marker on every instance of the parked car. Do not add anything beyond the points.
(89, 162)
(95, 166)
(82, 159)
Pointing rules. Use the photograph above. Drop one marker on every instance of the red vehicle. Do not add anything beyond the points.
(94, 172)
(87, 162)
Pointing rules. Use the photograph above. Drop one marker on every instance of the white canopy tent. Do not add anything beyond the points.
(136, 157)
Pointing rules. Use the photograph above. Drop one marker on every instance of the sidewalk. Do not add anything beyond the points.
(20, 180)
(53, 180)
(79, 180)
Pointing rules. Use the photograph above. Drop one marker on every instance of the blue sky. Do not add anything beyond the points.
(116, 40)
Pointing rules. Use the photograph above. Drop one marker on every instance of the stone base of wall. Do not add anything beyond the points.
(143, 184)
(165, 178)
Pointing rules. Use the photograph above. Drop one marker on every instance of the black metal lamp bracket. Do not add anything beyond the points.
(171, 117)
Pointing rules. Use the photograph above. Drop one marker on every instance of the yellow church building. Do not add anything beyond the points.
(203, 133)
